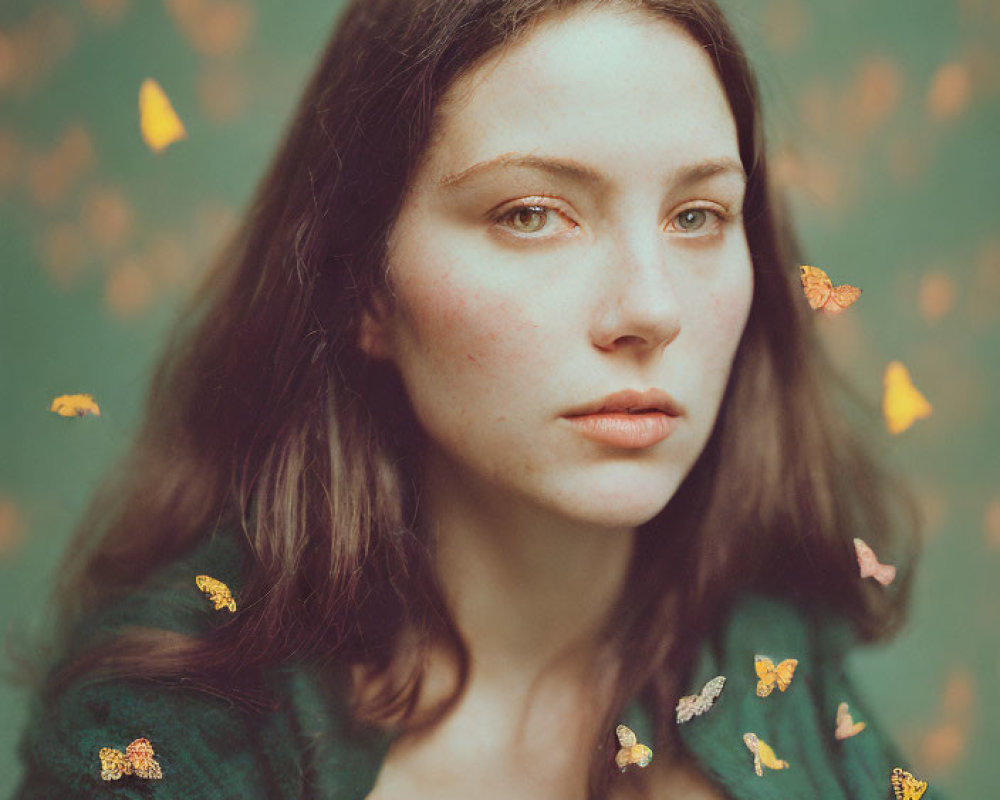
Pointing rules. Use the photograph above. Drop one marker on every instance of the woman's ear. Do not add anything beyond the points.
(373, 332)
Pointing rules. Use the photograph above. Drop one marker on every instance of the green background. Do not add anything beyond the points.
(884, 122)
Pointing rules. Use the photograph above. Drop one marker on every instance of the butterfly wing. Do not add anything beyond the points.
(74, 405)
(687, 708)
(902, 403)
(764, 667)
(905, 786)
(753, 745)
(140, 755)
(641, 755)
(784, 672)
(626, 736)
(840, 298)
(768, 758)
(158, 122)
(816, 286)
(693, 705)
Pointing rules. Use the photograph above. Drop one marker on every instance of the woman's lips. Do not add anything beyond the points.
(621, 429)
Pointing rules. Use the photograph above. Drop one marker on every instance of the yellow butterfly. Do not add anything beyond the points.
(630, 752)
(763, 755)
(822, 294)
(771, 676)
(905, 786)
(693, 705)
(74, 405)
(846, 726)
(902, 403)
(158, 122)
(137, 760)
(217, 592)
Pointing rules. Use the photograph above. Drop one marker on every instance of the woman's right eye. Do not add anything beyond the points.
(528, 219)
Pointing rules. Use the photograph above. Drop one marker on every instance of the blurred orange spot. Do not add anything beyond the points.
(222, 93)
(785, 24)
(167, 259)
(991, 522)
(107, 10)
(933, 509)
(943, 746)
(108, 217)
(958, 694)
(874, 94)
(63, 253)
(29, 52)
(213, 27)
(949, 92)
(811, 175)
(11, 527)
(53, 175)
(984, 68)
(128, 289)
(937, 295)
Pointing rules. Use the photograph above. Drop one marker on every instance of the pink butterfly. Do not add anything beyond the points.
(871, 567)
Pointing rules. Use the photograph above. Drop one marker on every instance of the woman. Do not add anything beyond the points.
(504, 422)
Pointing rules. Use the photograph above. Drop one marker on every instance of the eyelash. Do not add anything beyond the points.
(722, 217)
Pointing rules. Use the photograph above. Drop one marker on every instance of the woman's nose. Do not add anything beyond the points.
(639, 307)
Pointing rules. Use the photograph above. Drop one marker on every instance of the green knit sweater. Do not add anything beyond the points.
(209, 748)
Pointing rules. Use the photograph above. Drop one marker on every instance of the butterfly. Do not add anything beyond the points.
(771, 676)
(846, 726)
(905, 786)
(75, 405)
(136, 760)
(217, 592)
(902, 403)
(158, 122)
(763, 755)
(694, 705)
(630, 752)
(870, 566)
(822, 294)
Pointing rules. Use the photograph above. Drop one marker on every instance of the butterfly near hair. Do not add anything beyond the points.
(763, 755)
(136, 760)
(822, 294)
(217, 592)
(74, 405)
(869, 565)
(905, 786)
(770, 675)
(694, 705)
(846, 726)
(630, 752)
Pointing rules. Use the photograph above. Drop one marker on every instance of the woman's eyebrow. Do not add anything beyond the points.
(582, 173)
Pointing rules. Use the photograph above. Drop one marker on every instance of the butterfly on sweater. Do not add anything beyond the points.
(905, 786)
(631, 752)
(763, 755)
(136, 760)
(846, 726)
(770, 675)
(694, 705)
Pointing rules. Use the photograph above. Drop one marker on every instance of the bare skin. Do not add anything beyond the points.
(498, 328)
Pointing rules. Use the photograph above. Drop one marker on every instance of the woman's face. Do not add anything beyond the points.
(555, 248)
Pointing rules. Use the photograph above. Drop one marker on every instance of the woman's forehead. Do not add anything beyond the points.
(598, 86)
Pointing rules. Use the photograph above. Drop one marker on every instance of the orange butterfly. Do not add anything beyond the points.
(771, 676)
(763, 755)
(905, 786)
(137, 759)
(631, 752)
(846, 726)
(823, 295)
(74, 405)
(870, 566)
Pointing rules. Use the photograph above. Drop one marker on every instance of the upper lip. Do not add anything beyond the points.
(631, 400)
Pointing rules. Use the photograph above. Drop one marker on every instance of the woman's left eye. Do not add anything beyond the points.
(694, 220)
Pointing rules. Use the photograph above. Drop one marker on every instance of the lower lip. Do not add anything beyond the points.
(625, 430)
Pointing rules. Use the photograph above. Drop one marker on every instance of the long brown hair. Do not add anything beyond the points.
(264, 417)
